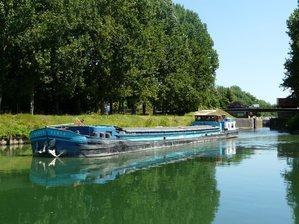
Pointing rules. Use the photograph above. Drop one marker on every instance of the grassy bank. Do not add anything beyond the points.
(22, 124)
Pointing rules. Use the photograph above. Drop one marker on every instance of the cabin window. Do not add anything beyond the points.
(209, 118)
(96, 134)
(108, 135)
(102, 135)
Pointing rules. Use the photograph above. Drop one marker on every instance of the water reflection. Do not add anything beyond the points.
(221, 182)
(289, 149)
(15, 150)
(82, 190)
(77, 171)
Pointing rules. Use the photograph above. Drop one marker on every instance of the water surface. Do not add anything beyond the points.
(253, 179)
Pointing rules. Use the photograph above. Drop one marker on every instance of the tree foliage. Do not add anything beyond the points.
(76, 56)
(291, 79)
(226, 96)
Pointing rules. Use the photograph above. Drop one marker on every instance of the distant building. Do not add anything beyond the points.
(286, 103)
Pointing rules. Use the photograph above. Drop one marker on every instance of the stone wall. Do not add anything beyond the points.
(249, 123)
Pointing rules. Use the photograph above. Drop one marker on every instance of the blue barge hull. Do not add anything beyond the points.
(119, 147)
(91, 141)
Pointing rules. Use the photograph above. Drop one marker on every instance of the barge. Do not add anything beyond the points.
(100, 141)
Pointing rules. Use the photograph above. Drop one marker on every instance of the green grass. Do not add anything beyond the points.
(22, 124)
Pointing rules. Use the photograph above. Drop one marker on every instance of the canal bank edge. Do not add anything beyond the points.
(15, 129)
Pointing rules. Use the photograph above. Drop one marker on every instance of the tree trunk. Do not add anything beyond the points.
(32, 103)
(111, 107)
(133, 109)
(144, 109)
(78, 106)
(102, 107)
(0, 103)
(57, 107)
(121, 107)
(154, 110)
(17, 107)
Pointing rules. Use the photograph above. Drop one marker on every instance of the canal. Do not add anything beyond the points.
(253, 179)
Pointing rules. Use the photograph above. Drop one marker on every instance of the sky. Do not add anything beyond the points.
(251, 41)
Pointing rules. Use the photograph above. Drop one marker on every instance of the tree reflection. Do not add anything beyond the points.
(184, 192)
(288, 147)
(175, 185)
(174, 193)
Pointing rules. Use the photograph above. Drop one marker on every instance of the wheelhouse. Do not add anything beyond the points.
(221, 121)
(208, 120)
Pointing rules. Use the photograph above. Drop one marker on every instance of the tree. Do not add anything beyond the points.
(234, 94)
(76, 56)
(291, 79)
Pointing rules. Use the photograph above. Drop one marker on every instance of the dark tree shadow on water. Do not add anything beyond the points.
(290, 151)
(184, 192)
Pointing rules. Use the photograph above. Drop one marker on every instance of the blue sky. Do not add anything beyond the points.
(250, 38)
